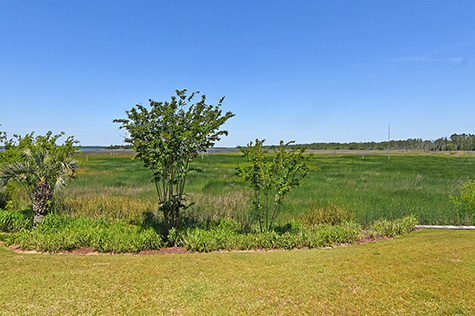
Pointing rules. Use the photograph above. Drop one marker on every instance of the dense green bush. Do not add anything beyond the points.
(16, 221)
(56, 233)
(272, 180)
(466, 200)
(226, 236)
(387, 228)
(11, 197)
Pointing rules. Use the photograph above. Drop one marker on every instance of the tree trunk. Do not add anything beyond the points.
(166, 229)
(41, 200)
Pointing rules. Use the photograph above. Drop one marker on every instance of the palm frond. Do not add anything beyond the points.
(70, 164)
(15, 171)
(40, 165)
(66, 170)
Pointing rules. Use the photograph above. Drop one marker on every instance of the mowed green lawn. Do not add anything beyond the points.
(430, 272)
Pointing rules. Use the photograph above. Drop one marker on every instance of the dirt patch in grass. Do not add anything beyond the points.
(367, 239)
(82, 251)
(89, 251)
(165, 251)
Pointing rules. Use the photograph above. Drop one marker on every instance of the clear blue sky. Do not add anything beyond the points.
(309, 71)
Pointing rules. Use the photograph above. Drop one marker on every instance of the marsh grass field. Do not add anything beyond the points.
(369, 186)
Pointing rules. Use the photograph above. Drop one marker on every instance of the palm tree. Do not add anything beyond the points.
(42, 173)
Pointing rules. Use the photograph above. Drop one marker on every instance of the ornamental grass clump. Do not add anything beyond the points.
(15, 221)
(59, 233)
(386, 228)
(227, 236)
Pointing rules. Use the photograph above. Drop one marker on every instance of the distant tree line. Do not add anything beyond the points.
(115, 147)
(453, 143)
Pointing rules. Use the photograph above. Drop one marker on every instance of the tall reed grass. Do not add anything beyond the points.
(371, 186)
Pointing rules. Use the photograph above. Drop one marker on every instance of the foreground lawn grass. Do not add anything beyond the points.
(430, 272)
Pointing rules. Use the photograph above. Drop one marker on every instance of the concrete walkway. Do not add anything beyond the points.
(445, 227)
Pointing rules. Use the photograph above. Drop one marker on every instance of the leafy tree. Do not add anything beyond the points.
(2, 135)
(41, 166)
(167, 136)
(259, 177)
(272, 180)
(466, 200)
(16, 145)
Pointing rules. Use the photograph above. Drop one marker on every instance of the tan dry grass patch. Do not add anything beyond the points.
(108, 190)
(232, 204)
(106, 205)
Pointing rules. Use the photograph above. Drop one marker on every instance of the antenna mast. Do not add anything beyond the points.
(389, 140)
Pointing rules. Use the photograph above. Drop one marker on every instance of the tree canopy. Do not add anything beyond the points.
(167, 136)
(271, 180)
(40, 165)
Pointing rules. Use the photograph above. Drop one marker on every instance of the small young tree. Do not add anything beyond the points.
(258, 174)
(41, 166)
(272, 180)
(167, 136)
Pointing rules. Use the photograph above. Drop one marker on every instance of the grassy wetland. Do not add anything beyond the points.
(368, 187)
(112, 206)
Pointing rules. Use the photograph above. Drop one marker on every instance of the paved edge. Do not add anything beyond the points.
(445, 227)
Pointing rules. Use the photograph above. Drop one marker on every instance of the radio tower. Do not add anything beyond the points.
(389, 140)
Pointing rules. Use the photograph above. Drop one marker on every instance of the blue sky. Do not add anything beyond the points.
(309, 71)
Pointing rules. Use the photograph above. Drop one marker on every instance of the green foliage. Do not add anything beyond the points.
(15, 146)
(331, 214)
(3, 137)
(271, 181)
(6, 196)
(466, 199)
(15, 221)
(41, 166)
(393, 228)
(453, 143)
(226, 235)
(58, 233)
(167, 137)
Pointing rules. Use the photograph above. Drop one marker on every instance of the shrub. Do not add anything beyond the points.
(387, 228)
(4, 198)
(466, 200)
(12, 198)
(226, 236)
(272, 180)
(331, 214)
(15, 221)
(167, 136)
(41, 166)
(56, 233)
